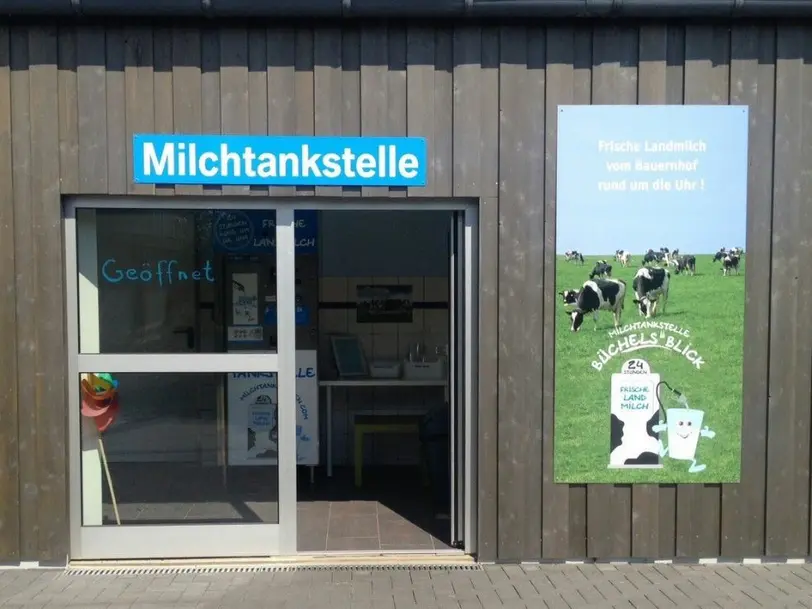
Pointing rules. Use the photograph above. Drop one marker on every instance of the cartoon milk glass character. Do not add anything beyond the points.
(684, 428)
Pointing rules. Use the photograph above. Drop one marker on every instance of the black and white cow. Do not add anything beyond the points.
(601, 269)
(720, 255)
(685, 264)
(595, 295)
(736, 251)
(650, 287)
(730, 264)
(623, 257)
(649, 257)
(574, 256)
(653, 257)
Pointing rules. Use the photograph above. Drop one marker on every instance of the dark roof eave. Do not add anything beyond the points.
(409, 8)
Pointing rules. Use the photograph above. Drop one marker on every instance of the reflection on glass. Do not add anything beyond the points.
(175, 281)
(165, 438)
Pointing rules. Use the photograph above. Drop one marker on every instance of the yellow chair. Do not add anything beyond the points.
(383, 424)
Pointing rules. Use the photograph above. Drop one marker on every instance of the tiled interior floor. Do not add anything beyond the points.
(392, 511)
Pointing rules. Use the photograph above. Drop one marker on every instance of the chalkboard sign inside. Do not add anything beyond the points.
(253, 231)
(349, 356)
(233, 231)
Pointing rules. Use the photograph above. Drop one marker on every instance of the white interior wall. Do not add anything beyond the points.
(382, 248)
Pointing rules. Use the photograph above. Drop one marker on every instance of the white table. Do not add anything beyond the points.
(365, 382)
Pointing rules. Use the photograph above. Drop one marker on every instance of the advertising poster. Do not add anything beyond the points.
(253, 433)
(650, 267)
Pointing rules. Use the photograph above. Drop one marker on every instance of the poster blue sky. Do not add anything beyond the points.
(648, 365)
(640, 177)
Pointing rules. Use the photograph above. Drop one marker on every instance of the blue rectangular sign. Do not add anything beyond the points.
(243, 160)
(254, 231)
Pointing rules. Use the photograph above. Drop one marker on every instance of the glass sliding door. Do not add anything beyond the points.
(182, 412)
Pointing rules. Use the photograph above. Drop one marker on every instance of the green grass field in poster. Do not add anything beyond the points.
(710, 307)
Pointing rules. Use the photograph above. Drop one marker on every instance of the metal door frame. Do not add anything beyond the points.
(456, 373)
(189, 541)
(466, 261)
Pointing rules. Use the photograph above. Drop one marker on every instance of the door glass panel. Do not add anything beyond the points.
(176, 281)
(165, 440)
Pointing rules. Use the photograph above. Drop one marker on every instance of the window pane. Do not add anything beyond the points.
(176, 281)
(165, 438)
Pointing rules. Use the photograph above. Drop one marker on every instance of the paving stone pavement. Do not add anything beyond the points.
(652, 586)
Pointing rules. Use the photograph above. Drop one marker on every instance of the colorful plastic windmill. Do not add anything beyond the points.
(100, 403)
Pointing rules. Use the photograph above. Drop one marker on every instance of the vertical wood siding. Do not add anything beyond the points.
(486, 99)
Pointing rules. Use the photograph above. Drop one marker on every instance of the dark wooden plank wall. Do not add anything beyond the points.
(486, 99)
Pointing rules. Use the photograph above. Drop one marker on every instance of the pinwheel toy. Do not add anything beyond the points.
(100, 403)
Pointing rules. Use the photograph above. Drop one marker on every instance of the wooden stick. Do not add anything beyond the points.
(103, 456)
